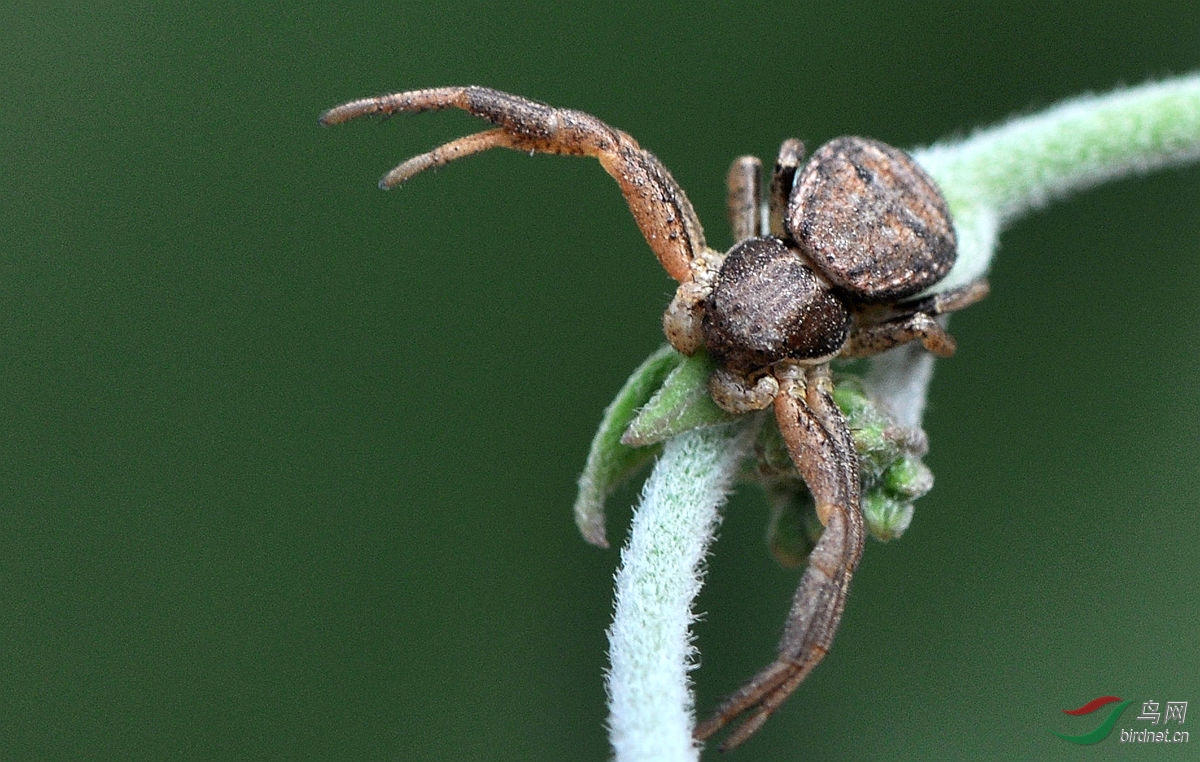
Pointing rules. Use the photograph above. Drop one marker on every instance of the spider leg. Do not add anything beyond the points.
(659, 206)
(821, 446)
(950, 300)
(743, 195)
(465, 146)
(872, 340)
(791, 154)
(914, 320)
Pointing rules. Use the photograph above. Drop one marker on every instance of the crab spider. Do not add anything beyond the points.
(834, 269)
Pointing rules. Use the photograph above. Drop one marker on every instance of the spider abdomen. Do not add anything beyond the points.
(871, 220)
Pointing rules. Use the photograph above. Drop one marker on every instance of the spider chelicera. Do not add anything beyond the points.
(833, 269)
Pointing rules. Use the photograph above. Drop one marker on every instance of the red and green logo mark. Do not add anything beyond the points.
(1153, 730)
(1105, 727)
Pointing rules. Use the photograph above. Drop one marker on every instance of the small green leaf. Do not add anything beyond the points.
(885, 516)
(873, 432)
(681, 404)
(609, 461)
(908, 478)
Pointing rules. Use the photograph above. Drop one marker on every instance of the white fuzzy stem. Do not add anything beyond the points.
(650, 701)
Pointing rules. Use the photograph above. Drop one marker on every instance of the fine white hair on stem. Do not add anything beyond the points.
(650, 702)
(989, 179)
(1000, 173)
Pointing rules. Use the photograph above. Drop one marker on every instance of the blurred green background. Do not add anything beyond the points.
(286, 463)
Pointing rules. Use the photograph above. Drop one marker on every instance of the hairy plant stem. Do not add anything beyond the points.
(989, 178)
(660, 574)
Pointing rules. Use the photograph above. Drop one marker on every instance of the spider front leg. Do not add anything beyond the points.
(659, 206)
(744, 192)
(822, 449)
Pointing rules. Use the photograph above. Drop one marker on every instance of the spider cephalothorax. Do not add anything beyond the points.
(834, 268)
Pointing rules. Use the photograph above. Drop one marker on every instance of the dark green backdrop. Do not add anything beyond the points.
(286, 462)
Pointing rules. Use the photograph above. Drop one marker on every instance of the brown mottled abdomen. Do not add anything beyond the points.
(871, 220)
